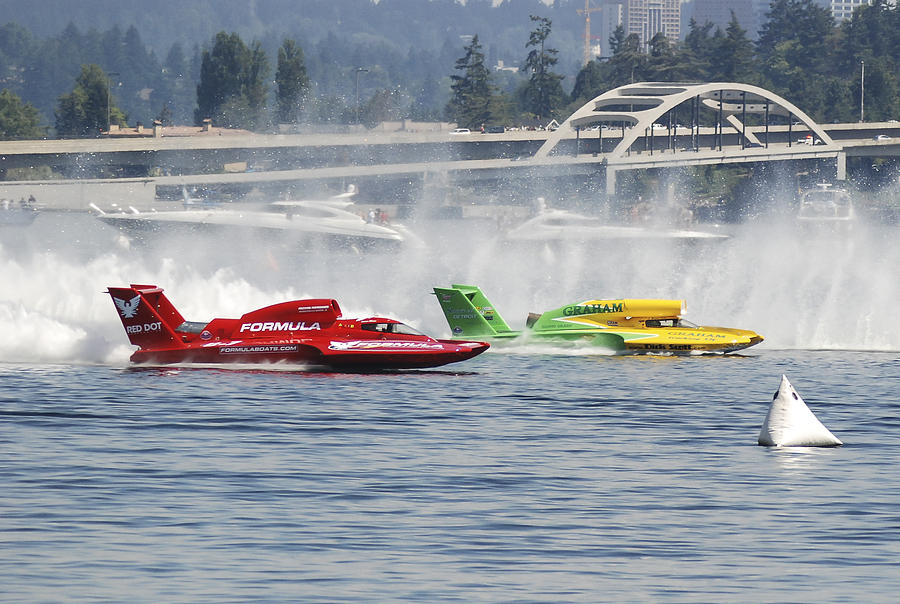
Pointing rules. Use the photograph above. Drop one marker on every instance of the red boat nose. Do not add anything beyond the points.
(471, 349)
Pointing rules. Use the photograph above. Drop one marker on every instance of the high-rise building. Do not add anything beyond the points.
(608, 17)
(843, 9)
(646, 18)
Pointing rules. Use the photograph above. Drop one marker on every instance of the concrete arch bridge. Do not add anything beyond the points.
(666, 124)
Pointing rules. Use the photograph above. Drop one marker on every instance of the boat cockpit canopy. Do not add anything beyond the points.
(391, 327)
(191, 327)
(670, 323)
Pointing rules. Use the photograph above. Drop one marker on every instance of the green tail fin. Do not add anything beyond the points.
(470, 313)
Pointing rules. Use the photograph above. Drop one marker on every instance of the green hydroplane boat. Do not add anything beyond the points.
(622, 325)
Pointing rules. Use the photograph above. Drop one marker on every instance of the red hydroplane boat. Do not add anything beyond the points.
(309, 332)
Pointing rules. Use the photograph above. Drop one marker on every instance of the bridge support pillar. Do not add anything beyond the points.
(841, 166)
(610, 181)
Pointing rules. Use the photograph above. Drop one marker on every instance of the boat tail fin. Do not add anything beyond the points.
(150, 320)
(470, 313)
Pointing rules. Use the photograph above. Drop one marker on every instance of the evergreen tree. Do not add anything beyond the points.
(617, 39)
(663, 64)
(872, 36)
(256, 87)
(235, 112)
(90, 107)
(873, 31)
(140, 74)
(471, 98)
(543, 94)
(220, 75)
(590, 82)
(796, 33)
(423, 106)
(385, 105)
(16, 46)
(132, 58)
(232, 89)
(164, 117)
(735, 52)
(18, 120)
(292, 83)
(629, 63)
(794, 52)
(698, 52)
(176, 91)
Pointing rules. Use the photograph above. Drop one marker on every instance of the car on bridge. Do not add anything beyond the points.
(809, 140)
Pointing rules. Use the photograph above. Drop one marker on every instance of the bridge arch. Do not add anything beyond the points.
(642, 104)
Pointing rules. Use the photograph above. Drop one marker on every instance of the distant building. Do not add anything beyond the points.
(646, 18)
(842, 9)
(501, 66)
(607, 17)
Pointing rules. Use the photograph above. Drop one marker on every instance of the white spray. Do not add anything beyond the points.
(799, 290)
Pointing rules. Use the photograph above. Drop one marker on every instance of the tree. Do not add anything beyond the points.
(140, 71)
(177, 92)
(220, 75)
(590, 82)
(164, 117)
(232, 77)
(803, 24)
(629, 63)
(698, 51)
(471, 99)
(16, 44)
(292, 83)
(873, 31)
(256, 87)
(426, 100)
(882, 91)
(385, 105)
(872, 35)
(735, 54)
(543, 94)
(663, 63)
(18, 120)
(89, 108)
(617, 39)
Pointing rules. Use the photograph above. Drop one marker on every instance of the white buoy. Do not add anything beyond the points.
(790, 423)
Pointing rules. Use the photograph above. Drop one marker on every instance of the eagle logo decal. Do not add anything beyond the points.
(128, 308)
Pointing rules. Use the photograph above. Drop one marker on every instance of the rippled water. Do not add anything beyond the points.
(510, 477)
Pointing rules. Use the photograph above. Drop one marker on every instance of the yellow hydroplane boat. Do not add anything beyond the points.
(623, 325)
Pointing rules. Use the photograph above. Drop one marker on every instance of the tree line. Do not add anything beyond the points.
(801, 54)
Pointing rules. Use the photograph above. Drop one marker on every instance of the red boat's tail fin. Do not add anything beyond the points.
(149, 318)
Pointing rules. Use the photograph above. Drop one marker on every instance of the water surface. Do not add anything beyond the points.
(509, 477)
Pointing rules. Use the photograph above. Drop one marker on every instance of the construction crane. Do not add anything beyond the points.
(587, 28)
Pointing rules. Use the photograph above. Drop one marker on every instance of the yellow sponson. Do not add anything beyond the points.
(635, 308)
